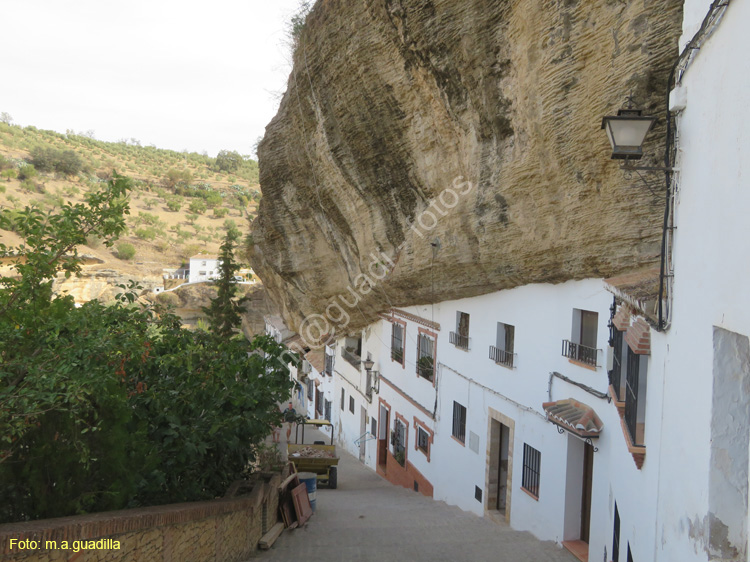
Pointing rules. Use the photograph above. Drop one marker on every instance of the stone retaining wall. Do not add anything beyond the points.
(222, 530)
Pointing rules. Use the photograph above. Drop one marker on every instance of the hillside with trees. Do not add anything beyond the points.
(181, 202)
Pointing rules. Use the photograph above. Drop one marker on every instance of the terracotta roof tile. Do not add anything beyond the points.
(574, 416)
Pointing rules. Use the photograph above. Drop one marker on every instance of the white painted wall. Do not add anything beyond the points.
(711, 249)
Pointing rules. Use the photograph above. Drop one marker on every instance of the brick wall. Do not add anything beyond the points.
(223, 530)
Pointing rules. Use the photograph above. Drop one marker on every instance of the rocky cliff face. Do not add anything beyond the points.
(391, 102)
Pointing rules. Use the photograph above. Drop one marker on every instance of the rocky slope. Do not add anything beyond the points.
(390, 102)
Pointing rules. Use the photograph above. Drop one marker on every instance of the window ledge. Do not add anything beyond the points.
(457, 440)
(509, 367)
(584, 365)
(532, 496)
(618, 404)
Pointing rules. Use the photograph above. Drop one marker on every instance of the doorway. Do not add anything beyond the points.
(385, 427)
(498, 478)
(588, 471)
(578, 495)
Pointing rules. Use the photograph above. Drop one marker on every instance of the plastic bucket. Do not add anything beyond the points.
(310, 480)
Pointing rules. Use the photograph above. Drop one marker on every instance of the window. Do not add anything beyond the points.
(342, 399)
(616, 537)
(459, 422)
(615, 375)
(581, 346)
(460, 338)
(397, 342)
(203, 264)
(319, 401)
(502, 352)
(310, 389)
(352, 351)
(373, 426)
(635, 396)
(425, 356)
(399, 442)
(328, 410)
(532, 460)
(423, 440)
(351, 404)
(329, 365)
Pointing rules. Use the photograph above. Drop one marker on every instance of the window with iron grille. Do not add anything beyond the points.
(423, 440)
(616, 537)
(635, 397)
(581, 346)
(399, 442)
(319, 401)
(310, 389)
(503, 352)
(328, 410)
(532, 461)
(351, 404)
(425, 356)
(459, 422)
(615, 375)
(329, 365)
(460, 338)
(397, 342)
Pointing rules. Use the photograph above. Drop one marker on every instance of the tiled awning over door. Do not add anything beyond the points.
(574, 416)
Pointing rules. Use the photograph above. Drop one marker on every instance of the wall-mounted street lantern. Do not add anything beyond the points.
(373, 378)
(626, 131)
(369, 364)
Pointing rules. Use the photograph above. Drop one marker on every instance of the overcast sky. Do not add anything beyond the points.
(179, 74)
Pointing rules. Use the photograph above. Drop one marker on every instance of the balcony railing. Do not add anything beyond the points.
(502, 357)
(397, 354)
(350, 357)
(459, 341)
(581, 353)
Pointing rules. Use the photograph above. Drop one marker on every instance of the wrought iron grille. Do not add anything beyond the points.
(329, 365)
(459, 341)
(532, 462)
(631, 396)
(425, 357)
(397, 343)
(501, 356)
(578, 352)
(459, 422)
(615, 374)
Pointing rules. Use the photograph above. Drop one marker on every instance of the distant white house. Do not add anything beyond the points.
(204, 267)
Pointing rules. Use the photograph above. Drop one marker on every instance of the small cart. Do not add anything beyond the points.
(315, 457)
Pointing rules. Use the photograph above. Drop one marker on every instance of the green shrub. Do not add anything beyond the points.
(174, 204)
(146, 233)
(197, 207)
(125, 251)
(220, 212)
(168, 299)
(27, 172)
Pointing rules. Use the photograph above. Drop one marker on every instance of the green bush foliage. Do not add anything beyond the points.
(220, 212)
(46, 159)
(125, 251)
(197, 207)
(106, 407)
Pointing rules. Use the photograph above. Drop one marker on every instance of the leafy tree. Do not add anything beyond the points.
(6, 118)
(108, 406)
(228, 161)
(174, 204)
(177, 178)
(224, 311)
(220, 212)
(27, 172)
(9, 174)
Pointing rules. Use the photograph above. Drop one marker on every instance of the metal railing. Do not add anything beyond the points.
(615, 375)
(502, 357)
(631, 397)
(350, 357)
(582, 353)
(460, 341)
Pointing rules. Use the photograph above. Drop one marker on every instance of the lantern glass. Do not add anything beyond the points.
(368, 363)
(626, 133)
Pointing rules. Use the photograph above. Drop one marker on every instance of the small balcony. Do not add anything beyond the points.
(502, 357)
(351, 357)
(461, 342)
(581, 353)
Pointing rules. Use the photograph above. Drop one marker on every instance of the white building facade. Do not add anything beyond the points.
(203, 267)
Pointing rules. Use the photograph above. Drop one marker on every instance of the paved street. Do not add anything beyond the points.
(367, 518)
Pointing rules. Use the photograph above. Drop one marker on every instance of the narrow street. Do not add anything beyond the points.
(367, 518)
